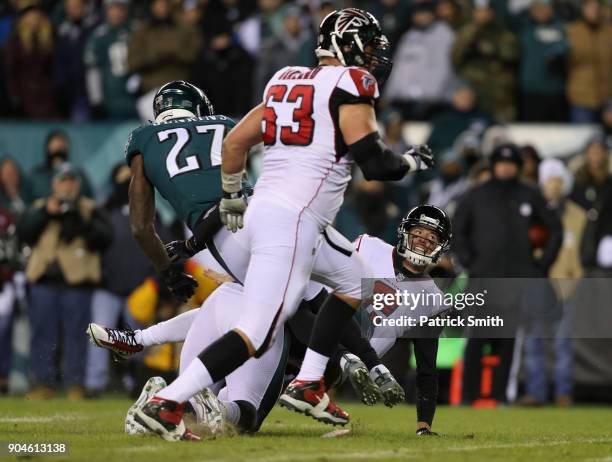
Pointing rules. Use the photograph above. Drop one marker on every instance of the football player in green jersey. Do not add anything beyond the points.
(179, 155)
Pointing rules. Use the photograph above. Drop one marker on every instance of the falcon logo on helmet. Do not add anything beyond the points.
(354, 37)
(351, 18)
(429, 217)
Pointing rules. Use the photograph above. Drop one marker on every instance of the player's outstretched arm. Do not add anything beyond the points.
(376, 160)
(236, 145)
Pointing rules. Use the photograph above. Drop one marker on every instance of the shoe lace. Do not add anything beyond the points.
(123, 336)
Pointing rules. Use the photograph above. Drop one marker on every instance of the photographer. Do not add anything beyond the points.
(66, 232)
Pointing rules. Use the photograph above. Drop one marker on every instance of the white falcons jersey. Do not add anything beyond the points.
(380, 256)
(305, 165)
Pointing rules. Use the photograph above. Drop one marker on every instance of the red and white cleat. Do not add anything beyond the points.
(121, 342)
(165, 418)
(310, 398)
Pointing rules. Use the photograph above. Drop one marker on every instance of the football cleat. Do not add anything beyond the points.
(121, 342)
(209, 411)
(356, 371)
(392, 392)
(426, 432)
(153, 385)
(165, 418)
(310, 398)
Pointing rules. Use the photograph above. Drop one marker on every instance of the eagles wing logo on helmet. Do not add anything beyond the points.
(350, 18)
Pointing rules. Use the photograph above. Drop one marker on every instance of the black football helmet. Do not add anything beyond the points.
(426, 216)
(355, 38)
(179, 94)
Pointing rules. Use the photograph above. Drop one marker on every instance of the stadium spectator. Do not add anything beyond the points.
(66, 232)
(589, 83)
(393, 16)
(106, 61)
(453, 12)
(29, 64)
(160, 50)
(57, 152)
(461, 117)
(556, 183)
(72, 35)
(124, 267)
(223, 68)
(293, 47)
(14, 190)
(485, 54)
(422, 67)
(592, 178)
(544, 49)
(531, 162)
(491, 240)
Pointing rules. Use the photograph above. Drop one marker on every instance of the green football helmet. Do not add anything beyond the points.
(179, 94)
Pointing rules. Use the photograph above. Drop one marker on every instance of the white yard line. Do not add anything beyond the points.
(43, 419)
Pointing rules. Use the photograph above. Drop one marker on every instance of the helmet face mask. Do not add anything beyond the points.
(354, 37)
(424, 235)
(181, 96)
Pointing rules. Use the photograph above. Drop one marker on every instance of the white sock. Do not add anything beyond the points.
(313, 366)
(193, 379)
(232, 412)
(171, 331)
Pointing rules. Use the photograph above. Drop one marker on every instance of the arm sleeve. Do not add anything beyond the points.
(376, 160)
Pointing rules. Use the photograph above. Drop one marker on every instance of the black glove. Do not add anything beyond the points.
(181, 285)
(423, 153)
(180, 250)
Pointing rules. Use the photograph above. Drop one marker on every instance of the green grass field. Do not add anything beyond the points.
(93, 431)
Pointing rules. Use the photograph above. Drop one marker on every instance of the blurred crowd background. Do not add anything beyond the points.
(473, 79)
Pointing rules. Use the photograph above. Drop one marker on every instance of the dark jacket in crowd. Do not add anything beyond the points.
(491, 228)
(124, 265)
(588, 192)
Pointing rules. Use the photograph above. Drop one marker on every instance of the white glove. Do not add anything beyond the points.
(233, 204)
(419, 157)
(232, 211)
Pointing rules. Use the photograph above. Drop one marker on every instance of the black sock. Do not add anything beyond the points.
(248, 417)
(225, 355)
(353, 340)
(329, 325)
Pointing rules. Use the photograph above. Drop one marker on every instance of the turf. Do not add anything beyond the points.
(93, 431)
